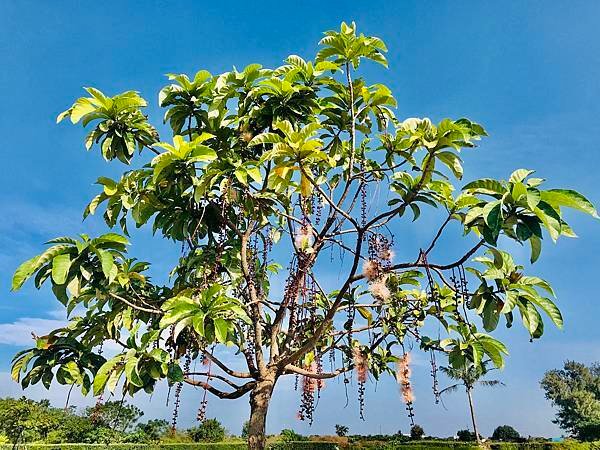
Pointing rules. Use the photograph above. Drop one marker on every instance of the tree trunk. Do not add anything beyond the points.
(472, 409)
(259, 405)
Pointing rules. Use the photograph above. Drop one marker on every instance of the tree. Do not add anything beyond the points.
(20, 419)
(575, 392)
(465, 435)
(506, 433)
(210, 430)
(416, 432)
(245, 430)
(154, 428)
(115, 415)
(288, 158)
(469, 376)
(341, 430)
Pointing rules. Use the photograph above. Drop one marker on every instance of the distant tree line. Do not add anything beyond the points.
(24, 421)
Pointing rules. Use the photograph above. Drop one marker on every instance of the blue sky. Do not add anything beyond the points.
(528, 71)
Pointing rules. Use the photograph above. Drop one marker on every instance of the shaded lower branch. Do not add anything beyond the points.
(237, 393)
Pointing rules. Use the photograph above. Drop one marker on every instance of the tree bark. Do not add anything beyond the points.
(259, 406)
(472, 409)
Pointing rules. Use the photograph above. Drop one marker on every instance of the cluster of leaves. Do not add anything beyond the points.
(121, 127)
(520, 209)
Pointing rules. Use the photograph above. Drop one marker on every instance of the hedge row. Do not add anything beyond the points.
(414, 445)
(311, 445)
(163, 446)
(566, 445)
(426, 445)
(303, 445)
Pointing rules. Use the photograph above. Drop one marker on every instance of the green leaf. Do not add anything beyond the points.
(23, 272)
(569, 199)
(175, 374)
(254, 173)
(485, 186)
(519, 175)
(492, 213)
(131, 372)
(549, 218)
(60, 268)
(221, 328)
(107, 261)
(265, 138)
(365, 313)
(101, 378)
(549, 308)
(536, 248)
(518, 190)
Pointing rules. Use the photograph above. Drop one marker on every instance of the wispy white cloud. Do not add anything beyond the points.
(19, 332)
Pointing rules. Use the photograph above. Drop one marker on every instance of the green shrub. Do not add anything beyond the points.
(210, 430)
(303, 445)
(291, 436)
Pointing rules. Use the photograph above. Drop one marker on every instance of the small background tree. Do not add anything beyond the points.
(575, 392)
(210, 430)
(116, 415)
(154, 429)
(341, 430)
(416, 432)
(245, 428)
(468, 376)
(506, 433)
(465, 435)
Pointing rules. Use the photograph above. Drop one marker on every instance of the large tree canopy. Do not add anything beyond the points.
(575, 391)
(265, 170)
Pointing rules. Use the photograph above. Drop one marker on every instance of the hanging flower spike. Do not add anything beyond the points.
(371, 269)
(360, 364)
(386, 254)
(304, 238)
(403, 374)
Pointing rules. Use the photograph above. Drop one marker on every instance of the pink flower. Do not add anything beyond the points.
(379, 290)
(371, 269)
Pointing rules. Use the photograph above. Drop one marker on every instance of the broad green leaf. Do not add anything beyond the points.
(549, 308)
(519, 175)
(23, 272)
(518, 191)
(60, 268)
(570, 199)
(536, 248)
(492, 213)
(107, 262)
(104, 372)
(221, 327)
(485, 186)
